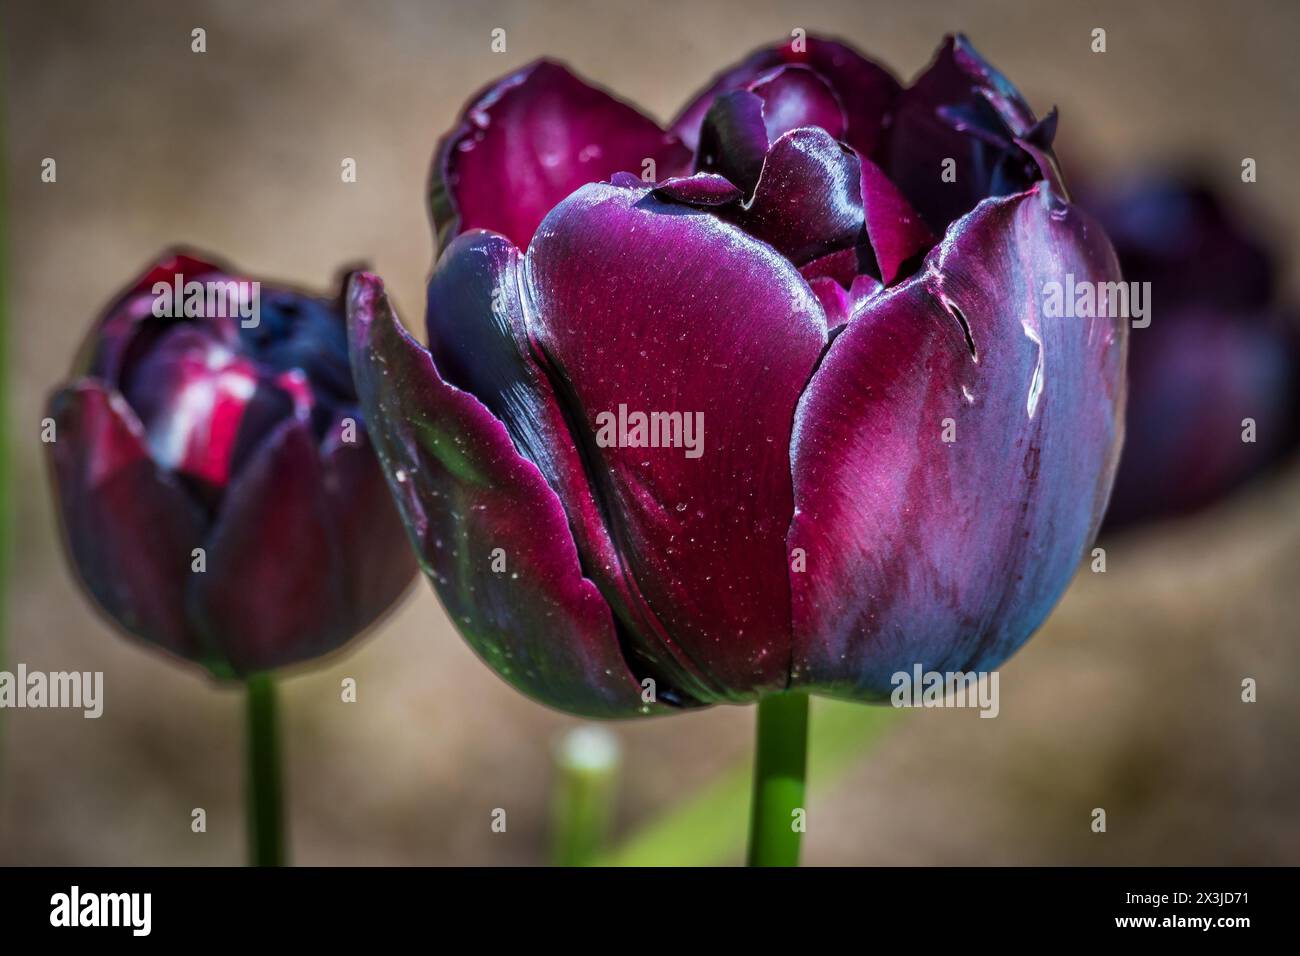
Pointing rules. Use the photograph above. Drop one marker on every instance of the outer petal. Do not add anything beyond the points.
(465, 491)
(478, 336)
(865, 90)
(378, 563)
(951, 554)
(659, 308)
(259, 600)
(530, 140)
(129, 527)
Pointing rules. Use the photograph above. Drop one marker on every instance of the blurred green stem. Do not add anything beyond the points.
(266, 836)
(586, 762)
(780, 765)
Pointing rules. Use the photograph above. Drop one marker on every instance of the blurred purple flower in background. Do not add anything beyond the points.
(900, 460)
(235, 431)
(1220, 348)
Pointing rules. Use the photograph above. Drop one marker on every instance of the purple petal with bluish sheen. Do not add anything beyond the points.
(673, 310)
(273, 592)
(808, 200)
(835, 300)
(951, 554)
(478, 339)
(733, 139)
(865, 91)
(130, 528)
(530, 140)
(464, 492)
(959, 108)
(305, 335)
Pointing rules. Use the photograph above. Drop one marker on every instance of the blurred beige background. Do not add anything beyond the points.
(1128, 699)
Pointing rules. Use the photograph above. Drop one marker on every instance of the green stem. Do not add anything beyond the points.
(586, 763)
(266, 836)
(780, 763)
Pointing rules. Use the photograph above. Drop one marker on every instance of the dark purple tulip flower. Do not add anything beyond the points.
(219, 495)
(764, 401)
(1220, 349)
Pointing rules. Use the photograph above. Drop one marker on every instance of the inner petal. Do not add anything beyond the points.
(532, 139)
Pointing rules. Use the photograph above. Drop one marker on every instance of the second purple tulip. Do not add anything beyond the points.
(762, 402)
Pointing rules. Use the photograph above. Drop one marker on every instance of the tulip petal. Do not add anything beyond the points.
(478, 337)
(865, 91)
(170, 265)
(651, 308)
(808, 199)
(733, 140)
(302, 333)
(464, 492)
(840, 303)
(834, 298)
(795, 96)
(130, 527)
(961, 109)
(897, 233)
(377, 560)
(742, 125)
(129, 323)
(702, 189)
(270, 607)
(950, 553)
(529, 141)
(843, 266)
(194, 397)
